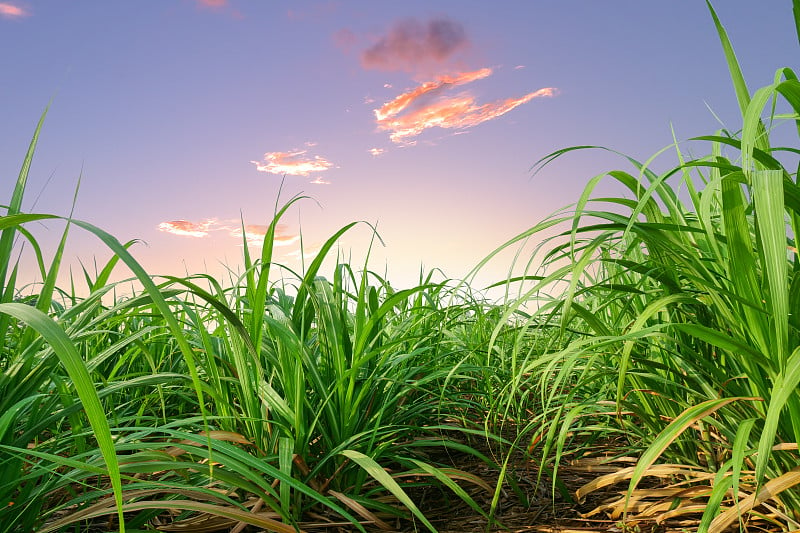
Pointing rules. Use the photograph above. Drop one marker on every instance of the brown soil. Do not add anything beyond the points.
(533, 506)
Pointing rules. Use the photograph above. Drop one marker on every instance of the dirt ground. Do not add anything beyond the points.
(526, 505)
(545, 510)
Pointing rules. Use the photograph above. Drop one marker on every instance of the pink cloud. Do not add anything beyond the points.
(306, 255)
(377, 151)
(411, 45)
(404, 100)
(254, 233)
(457, 112)
(295, 163)
(185, 228)
(432, 104)
(9, 10)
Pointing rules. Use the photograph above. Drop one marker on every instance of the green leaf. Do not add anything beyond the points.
(76, 369)
(380, 475)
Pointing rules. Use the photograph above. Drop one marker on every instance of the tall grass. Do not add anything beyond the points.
(660, 325)
(265, 402)
(677, 328)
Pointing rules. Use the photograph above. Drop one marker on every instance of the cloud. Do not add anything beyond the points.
(254, 233)
(411, 45)
(433, 104)
(377, 151)
(212, 3)
(401, 102)
(186, 228)
(319, 181)
(295, 163)
(9, 10)
(306, 255)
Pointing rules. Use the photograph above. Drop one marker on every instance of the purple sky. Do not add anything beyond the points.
(183, 116)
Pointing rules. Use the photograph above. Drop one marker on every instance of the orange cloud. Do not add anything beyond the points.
(9, 10)
(400, 103)
(410, 45)
(293, 163)
(428, 106)
(251, 231)
(186, 228)
(377, 151)
(254, 233)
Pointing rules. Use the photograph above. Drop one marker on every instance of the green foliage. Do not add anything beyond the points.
(296, 395)
(660, 321)
(678, 307)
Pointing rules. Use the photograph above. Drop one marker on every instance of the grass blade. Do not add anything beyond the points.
(382, 477)
(73, 363)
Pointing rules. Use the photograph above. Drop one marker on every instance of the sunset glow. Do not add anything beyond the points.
(182, 119)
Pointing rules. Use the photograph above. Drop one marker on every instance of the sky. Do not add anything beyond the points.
(188, 121)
